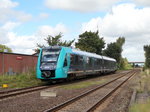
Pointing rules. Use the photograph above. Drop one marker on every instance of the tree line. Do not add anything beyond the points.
(147, 56)
(3, 48)
(91, 42)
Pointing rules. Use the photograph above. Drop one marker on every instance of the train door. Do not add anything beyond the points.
(103, 65)
(84, 64)
(66, 64)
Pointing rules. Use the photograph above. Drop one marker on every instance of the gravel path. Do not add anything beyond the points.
(120, 100)
(83, 104)
(33, 102)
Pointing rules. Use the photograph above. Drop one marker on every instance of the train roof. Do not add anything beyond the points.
(75, 51)
(53, 47)
(91, 55)
(108, 58)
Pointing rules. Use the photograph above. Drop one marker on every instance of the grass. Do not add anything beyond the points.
(143, 86)
(144, 81)
(140, 107)
(83, 84)
(20, 80)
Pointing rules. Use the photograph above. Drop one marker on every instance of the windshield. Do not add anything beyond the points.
(50, 55)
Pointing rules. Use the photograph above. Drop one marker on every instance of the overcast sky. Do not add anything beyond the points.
(23, 23)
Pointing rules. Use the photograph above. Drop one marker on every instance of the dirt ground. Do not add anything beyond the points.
(33, 102)
(120, 100)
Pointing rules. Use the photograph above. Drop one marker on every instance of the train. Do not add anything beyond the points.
(59, 62)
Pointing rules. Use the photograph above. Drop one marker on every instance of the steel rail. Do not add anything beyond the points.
(14, 92)
(19, 89)
(62, 105)
(92, 108)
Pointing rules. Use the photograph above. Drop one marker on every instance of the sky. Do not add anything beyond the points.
(24, 23)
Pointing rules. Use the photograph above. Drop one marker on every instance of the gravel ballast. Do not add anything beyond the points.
(33, 102)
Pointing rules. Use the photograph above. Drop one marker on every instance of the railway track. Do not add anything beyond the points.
(99, 94)
(15, 92)
(10, 93)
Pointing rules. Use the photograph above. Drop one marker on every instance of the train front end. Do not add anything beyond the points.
(49, 63)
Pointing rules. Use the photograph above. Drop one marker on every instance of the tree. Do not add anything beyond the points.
(114, 50)
(125, 64)
(120, 41)
(90, 42)
(3, 47)
(54, 40)
(147, 56)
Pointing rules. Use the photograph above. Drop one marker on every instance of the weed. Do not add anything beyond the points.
(20, 80)
(144, 107)
(83, 84)
(143, 86)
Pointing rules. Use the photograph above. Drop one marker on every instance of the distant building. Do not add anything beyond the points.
(12, 63)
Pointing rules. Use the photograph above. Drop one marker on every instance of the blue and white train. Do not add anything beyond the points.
(58, 62)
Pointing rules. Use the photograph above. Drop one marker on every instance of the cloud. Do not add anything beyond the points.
(25, 44)
(22, 16)
(8, 13)
(124, 20)
(90, 5)
(10, 25)
(80, 5)
(7, 4)
(43, 15)
(21, 44)
(133, 53)
(10, 19)
(142, 2)
(3, 36)
(46, 30)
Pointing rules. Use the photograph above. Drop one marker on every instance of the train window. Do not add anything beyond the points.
(105, 64)
(50, 55)
(65, 62)
(94, 61)
(90, 61)
(80, 60)
(76, 60)
(72, 59)
(87, 60)
(98, 62)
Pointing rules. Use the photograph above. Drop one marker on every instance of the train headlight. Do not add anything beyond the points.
(46, 74)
